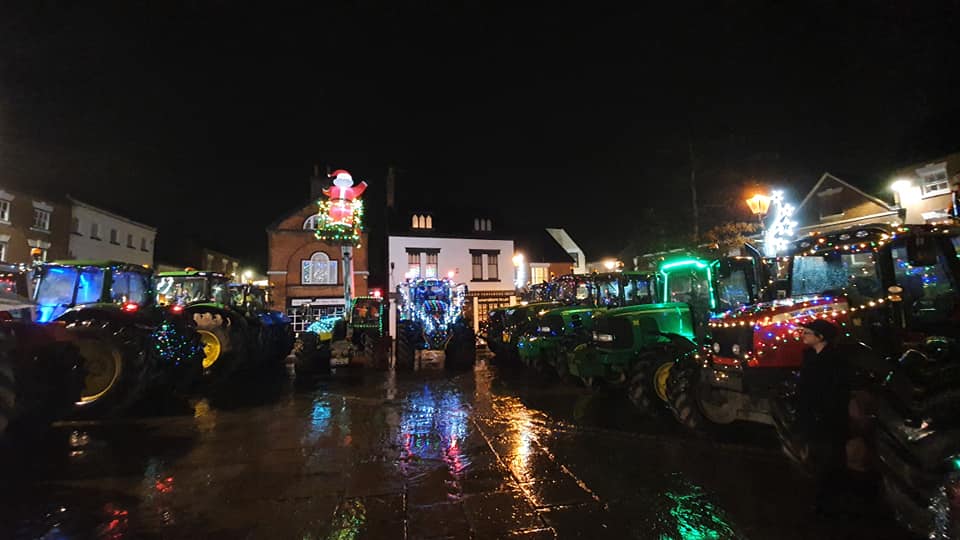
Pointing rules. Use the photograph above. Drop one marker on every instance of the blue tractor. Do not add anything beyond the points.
(432, 324)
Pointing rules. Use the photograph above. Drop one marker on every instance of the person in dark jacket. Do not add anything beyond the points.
(822, 414)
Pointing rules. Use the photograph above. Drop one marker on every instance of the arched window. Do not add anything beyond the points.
(318, 270)
(416, 222)
(429, 222)
(476, 224)
(310, 223)
(489, 225)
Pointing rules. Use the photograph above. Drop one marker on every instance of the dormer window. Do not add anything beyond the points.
(421, 221)
(482, 225)
(933, 179)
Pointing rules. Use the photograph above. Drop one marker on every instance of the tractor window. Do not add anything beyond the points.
(220, 291)
(853, 274)
(366, 311)
(90, 286)
(929, 297)
(180, 290)
(637, 291)
(55, 292)
(130, 287)
(734, 290)
(689, 287)
(608, 293)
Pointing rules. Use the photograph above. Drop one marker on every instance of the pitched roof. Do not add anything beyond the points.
(827, 176)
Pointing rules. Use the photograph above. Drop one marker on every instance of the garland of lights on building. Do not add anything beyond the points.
(340, 231)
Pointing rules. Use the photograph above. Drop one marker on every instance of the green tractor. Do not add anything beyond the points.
(235, 327)
(558, 331)
(635, 346)
(126, 343)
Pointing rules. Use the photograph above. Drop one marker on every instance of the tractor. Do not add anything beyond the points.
(431, 324)
(127, 345)
(334, 342)
(235, 327)
(40, 372)
(560, 330)
(636, 346)
(893, 294)
(274, 333)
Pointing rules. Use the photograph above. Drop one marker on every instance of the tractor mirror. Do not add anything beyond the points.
(921, 251)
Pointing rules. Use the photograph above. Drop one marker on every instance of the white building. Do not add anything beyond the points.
(99, 235)
(461, 246)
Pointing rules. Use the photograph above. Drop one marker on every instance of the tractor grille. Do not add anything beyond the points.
(620, 329)
(728, 337)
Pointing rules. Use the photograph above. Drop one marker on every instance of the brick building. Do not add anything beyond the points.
(307, 273)
(29, 221)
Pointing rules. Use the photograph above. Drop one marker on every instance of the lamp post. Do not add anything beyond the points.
(520, 279)
(759, 205)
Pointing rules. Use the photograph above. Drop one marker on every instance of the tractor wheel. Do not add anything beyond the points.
(406, 346)
(461, 351)
(647, 389)
(224, 346)
(8, 383)
(115, 367)
(309, 355)
(682, 394)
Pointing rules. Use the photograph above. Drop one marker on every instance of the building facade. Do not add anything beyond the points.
(306, 273)
(96, 234)
(29, 222)
(539, 258)
(576, 254)
(834, 204)
(924, 190)
(457, 245)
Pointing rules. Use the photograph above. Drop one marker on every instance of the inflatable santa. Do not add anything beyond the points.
(342, 194)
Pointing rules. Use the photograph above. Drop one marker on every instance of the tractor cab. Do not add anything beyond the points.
(66, 286)
(190, 287)
(14, 293)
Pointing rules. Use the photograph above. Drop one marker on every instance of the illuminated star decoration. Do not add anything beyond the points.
(780, 231)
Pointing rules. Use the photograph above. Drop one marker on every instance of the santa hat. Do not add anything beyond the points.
(340, 173)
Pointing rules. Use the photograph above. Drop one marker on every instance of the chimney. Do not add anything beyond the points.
(391, 186)
(317, 183)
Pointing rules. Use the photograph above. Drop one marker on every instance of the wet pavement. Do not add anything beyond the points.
(492, 453)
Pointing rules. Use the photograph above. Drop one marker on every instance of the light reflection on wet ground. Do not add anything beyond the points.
(487, 454)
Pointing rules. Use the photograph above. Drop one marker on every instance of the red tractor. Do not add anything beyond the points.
(893, 294)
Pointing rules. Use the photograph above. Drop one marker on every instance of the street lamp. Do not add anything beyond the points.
(759, 206)
(906, 193)
(521, 279)
(611, 264)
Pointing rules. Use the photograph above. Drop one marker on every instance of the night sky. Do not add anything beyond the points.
(206, 118)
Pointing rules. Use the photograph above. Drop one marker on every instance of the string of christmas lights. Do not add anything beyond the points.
(173, 346)
(344, 231)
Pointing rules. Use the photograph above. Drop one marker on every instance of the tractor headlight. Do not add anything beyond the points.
(735, 349)
(605, 338)
(544, 329)
(716, 347)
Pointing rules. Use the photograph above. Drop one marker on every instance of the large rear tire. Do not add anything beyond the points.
(310, 356)
(407, 341)
(115, 365)
(682, 388)
(224, 345)
(461, 351)
(8, 382)
(647, 388)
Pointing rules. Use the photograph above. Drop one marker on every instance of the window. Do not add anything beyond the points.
(130, 241)
(934, 180)
(484, 225)
(929, 295)
(477, 261)
(3, 251)
(413, 264)
(493, 272)
(318, 270)
(539, 274)
(5, 210)
(143, 244)
(432, 264)
(75, 226)
(421, 222)
(310, 223)
(114, 236)
(130, 287)
(95, 231)
(41, 219)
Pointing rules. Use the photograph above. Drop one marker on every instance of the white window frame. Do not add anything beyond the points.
(114, 237)
(494, 265)
(414, 269)
(474, 267)
(434, 266)
(41, 220)
(5, 205)
(95, 231)
(310, 224)
(925, 173)
(130, 243)
(143, 243)
(3, 250)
